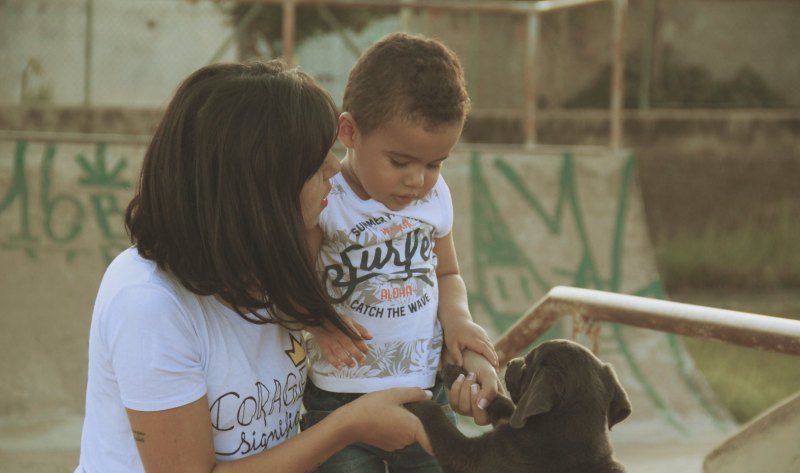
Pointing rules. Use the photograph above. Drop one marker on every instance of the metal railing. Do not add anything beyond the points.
(587, 307)
(532, 10)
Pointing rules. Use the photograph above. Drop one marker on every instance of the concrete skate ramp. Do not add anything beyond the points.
(530, 220)
(525, 221)
(767, 443)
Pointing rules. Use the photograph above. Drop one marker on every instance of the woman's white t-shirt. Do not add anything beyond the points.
(154, 345)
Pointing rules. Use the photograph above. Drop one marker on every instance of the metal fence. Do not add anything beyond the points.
(519, 56)
(527, 13)
(98, 52)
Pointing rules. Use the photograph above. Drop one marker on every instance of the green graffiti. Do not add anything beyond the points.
(97, 173)
(495, 248)
(59, 204)
(619, 223)
(552, 220)
(644, 382)
(496, 253)
(18, 190)
(62, 214)
(500, 262)
(685, 371)
(106, 205)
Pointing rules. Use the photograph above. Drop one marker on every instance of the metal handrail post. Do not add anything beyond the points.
(531, 44)
(618, 73)
(288, 30)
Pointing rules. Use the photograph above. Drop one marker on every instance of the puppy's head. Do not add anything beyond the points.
(559, 374)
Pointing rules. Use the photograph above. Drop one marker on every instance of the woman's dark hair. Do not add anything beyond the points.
(218, 203)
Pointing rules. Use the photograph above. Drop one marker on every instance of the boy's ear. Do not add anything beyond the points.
(347, 129)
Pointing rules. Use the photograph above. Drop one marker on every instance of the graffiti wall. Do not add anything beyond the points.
(525, 221)
(528, 221)
(66, 200)
(61, 207)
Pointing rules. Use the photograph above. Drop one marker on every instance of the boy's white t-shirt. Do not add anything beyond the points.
(154, 345)
(380, 267)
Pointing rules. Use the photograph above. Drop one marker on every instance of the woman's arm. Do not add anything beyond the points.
(470, 395)
(180, 440)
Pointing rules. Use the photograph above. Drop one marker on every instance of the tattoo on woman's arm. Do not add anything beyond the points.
(138, 436)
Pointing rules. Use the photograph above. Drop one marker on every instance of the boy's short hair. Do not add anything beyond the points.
(411, 77)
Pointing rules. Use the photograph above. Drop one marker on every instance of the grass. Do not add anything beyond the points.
(752, 265)
(725, 234)
(760, 252)
(746, 381)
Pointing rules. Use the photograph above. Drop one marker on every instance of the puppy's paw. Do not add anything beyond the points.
(500, 410)
(450, 373)
(427, 411)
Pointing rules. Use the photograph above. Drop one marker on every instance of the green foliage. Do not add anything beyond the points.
(264, 22)
(693, 86)
(682, 85)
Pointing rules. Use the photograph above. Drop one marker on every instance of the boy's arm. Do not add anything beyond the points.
(460, 332)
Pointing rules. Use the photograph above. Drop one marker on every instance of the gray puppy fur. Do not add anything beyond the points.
(563, 402)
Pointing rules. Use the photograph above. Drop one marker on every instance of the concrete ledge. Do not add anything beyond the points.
(652, 133)
(767, 443)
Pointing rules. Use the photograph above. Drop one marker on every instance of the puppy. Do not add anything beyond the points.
(563, 397)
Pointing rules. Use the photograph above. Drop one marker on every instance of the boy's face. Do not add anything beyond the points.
(396, 163)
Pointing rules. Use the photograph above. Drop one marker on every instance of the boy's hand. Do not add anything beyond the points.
(470, 395)
(337, 347)
(465, 334)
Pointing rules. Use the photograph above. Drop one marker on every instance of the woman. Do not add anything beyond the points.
(195, 359)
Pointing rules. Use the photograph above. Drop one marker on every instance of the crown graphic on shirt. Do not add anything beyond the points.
(298, 351)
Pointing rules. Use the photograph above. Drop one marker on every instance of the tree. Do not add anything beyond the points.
(260, 25)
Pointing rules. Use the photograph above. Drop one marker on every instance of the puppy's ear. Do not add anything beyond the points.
(619, 407)
(540, 396)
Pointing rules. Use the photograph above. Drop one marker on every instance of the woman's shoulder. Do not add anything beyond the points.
(131, 279)
(129, 269)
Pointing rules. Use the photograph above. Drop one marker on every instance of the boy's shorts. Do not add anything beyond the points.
(363, 458)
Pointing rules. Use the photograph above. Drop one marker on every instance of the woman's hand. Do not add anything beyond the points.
(469, 395)
(379, 419)
(337, 347)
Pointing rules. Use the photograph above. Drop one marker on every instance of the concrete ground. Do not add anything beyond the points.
(40, 446)
(684, 457)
